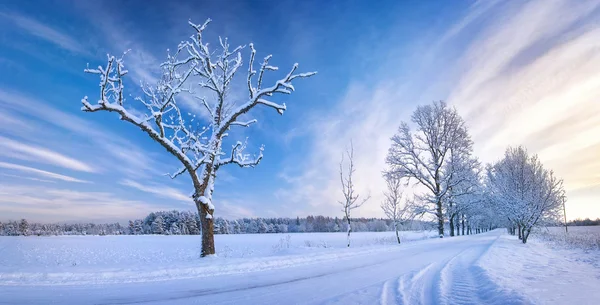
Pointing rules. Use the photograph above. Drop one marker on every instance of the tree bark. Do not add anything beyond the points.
(520, 233)
(451, 219)
(349, 230)
(525, 234)
(440, 216)
(463, 225)
(206, 215)
(397, 236)
(208, 239)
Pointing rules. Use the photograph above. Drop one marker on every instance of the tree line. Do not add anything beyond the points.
(584, 222)
(188, 223)
(432, 155)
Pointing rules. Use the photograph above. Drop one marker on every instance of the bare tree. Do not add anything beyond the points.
(350, 196)
(392, 206)
(423, 155)
(198, 148)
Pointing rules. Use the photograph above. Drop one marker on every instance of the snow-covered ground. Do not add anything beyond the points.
(53, 260)
(544, 274)
(307, 268)
(585, 237)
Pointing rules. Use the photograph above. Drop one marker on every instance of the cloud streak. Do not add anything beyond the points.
(45, 32)
(40, 172)
(158, 190)
(46, 204)
(43, 155)
(18, 106)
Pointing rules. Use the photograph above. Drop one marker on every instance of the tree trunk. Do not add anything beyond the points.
(457, 226)
(208, 239)
(451, 219)
(520, 233)
(525, 234)
(349, 230)
(440, 216)
(397, 236)
(463, 225)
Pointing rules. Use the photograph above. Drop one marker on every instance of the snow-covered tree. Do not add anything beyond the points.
(422, 155)
(524, 191)
(262, 226)
(158, 226)
(192, 70)
(350, 201)
(131, 227)
(237, 229)
(464, 186)
(24, 227)
(393, 206)
(175, 229)
(138, 227)
(282, 228)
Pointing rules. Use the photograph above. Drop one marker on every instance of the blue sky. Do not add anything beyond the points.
(519, 72)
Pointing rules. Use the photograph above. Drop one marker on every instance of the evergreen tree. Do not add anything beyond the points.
(158, 225)
(23, 227)
(174, 230)
(262, 226)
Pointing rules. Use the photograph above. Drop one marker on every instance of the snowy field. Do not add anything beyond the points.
(587, 238)
(129, 258)
(306, 268)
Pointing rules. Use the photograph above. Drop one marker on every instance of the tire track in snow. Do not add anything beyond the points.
(413, 288)
(390, 293)
(462, 282)
(455, 280)
(421, 286)
(457, 285)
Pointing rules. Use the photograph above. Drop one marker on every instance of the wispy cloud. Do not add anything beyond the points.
(533, 78)
(43, 31)
(55, 204)
(43, 155)
(40, 172)
(531, 66)
(16, 106)
(27, 178)
(158, 190)
(234, 209)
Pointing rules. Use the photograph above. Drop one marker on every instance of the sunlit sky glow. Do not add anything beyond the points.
(519, 72)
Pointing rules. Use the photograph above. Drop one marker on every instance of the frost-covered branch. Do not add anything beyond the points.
(240, 158)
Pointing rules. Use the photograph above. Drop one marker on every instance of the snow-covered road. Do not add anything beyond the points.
(426, 272)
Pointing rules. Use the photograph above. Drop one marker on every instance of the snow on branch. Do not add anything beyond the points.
(197, 143)
(240, 158)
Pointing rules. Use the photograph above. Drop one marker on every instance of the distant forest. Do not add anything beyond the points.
(188, 223)
(584, 222)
